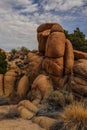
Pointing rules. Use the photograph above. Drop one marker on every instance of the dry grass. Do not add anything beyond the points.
(74, 117)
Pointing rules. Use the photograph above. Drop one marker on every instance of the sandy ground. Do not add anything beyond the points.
(18, 124)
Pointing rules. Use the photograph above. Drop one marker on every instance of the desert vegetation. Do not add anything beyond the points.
(3, 63)
(78, 39)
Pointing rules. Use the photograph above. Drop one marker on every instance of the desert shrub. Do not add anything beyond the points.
(74, 117)
(24, 48)
(57, 126)
(60, 99)
(3, 63)
(13, 51)
(78, 39)
(55, 104)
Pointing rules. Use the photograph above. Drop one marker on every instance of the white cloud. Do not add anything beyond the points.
(15, 29)
(21, 2)
(70, 4)
(62, 5)
(19, 34)
(30, 9)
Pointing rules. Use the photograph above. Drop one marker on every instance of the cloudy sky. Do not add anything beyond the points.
(20, 18)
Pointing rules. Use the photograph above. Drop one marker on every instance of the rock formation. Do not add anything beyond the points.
(36, 75)
(54, 59)
(58, 52)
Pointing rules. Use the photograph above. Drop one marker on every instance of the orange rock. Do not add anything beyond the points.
(79, 85)
(28, 105)
(80, 55)
(56, 28)
(45, 26)
(68, 58)
(44, 122)
(80, 68)
(41, 83)
(9, 82)
(43, 31)
(53, 66)
(55, 46)
(42, 39)
(25, 113)
(23, 86)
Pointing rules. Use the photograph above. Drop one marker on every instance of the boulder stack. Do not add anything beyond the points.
(43, 31)
(58, 51)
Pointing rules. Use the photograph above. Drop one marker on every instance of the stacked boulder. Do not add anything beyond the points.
(58, 51)
(80, 55)
(51, 67)
(79, 81)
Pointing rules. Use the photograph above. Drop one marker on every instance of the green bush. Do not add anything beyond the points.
(13, 51)
(77, 39)
(3, 63)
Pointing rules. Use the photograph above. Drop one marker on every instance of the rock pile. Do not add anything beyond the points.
(53, 66)
(57, 50)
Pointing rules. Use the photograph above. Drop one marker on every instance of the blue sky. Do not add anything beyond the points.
(19, 19)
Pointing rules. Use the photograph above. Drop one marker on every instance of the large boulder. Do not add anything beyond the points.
(80, 55)
(57, 28)
(23, 86)
(50, 26)
(68, 58)
(55, 46)
(80, 68)
(25, 113)
(27, 109)
(79, 80)
(42, 39)
(28, 105)
(42, 84)
(53, 66)
(43, 31)
(9, 82)
(79, 86)
(34, 57)
(44, 122)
